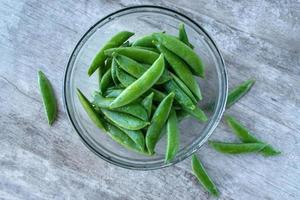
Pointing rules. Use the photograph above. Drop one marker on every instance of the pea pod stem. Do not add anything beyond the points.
(202, 176)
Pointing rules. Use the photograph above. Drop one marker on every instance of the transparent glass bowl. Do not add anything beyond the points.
(143, 20)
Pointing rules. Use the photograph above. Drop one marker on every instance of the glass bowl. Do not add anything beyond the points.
(143, 20)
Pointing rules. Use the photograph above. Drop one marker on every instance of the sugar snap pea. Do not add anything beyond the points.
(184, 88)
(149, 49)
(173, 136)
(203, 177)
(235, 94)
(124, 78)
(245, 136)
(114, 71)
(147, 103)
(113, 92)
(236, 148)
(138, 54)
(106, 81)
(238, 92)
(134, 109)
(180, 96)
(94, 116)
(141, 85)
(198, 114)
(115, 41)
(122, 138)
(183, 36)
(103, 69)
(136, 69)
(137, 137)
(158, 120)
(181, 70)
(124, 120)
(183, 51)
(144, 41)
(48, 96)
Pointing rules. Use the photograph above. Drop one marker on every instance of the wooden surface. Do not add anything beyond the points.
(258, 39)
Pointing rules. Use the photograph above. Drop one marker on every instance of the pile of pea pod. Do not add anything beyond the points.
(145, 88)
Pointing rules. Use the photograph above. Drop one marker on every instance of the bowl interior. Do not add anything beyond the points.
(143, 20)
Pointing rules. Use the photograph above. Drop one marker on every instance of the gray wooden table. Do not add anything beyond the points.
(258, 39)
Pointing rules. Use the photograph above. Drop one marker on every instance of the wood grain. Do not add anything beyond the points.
(257, 38)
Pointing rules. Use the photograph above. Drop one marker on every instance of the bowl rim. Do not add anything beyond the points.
(196, 147)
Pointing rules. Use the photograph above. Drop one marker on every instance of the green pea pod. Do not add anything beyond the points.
(158, 95)
(180, 96)
(115, 41)
(158, 120)
(48, 96)
(238, 92)
(113, 92)
(106, 81)
(127, 80)
(235, 94)
(181, 70)
(173, 136)
(183, 36)
(236, 148)
(92, 113)
(184, 88)
(114, 72)
(147, 103)
(141, 85)
(144, 41)
(134, 109)
(149, 49)
(137, 137)
(102, 70)
(198, 114)
(203, 177)
(183, 51)
(135, 53)
(122, 138)
(136, 69)
(245, 136)
(126, 44)
(124, 120)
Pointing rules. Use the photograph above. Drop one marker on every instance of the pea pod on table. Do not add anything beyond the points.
(115, 41)
(48, 96)
(203, 177)
(158, 120)
(245, 136)
(141, 85)
(183, 51)
(236, 148)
